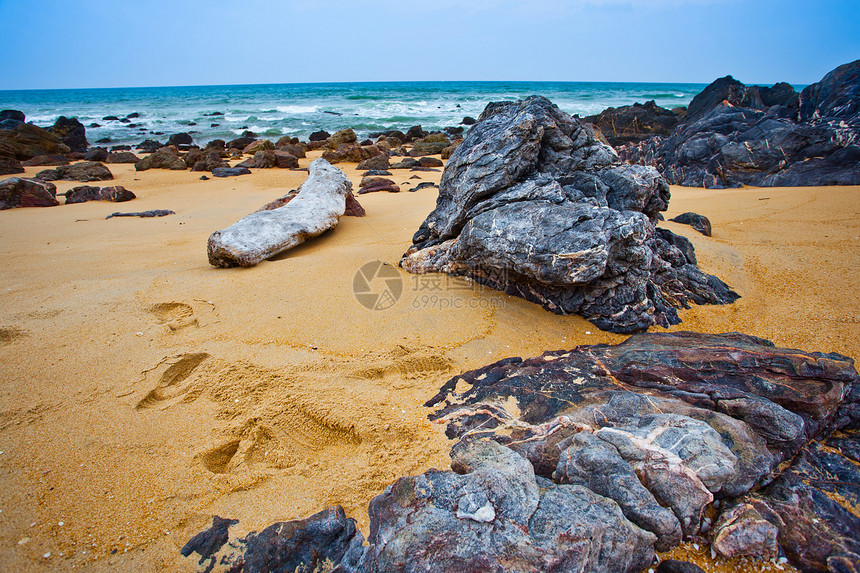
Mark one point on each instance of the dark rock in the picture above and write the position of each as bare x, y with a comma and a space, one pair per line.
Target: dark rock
430, 162
377, 173
448, 151
83, 171
9, 163
319, 136
180, 139
353, 207
744, 135
407, 163
121, 148
413, 133
341, 137
699, 222
122, 157
203, 178
143, 214
96, 154
374, 184
633, 123
166, 157
110, 118
352, 152
285, 160
686, 413
207, 543
133, 115
22, 192
527, 166
213, 114
29, 141
94, 125
149, 146
205, 160
377, 162
217, 144
469, 121
240, 143
430, 145
104, 140
125, 120
13, 114
423, 169
294, 150
424, 185
46, 160
85, 193
258, 145
71, 132
836, 96
675, 566
454, 132
230, 171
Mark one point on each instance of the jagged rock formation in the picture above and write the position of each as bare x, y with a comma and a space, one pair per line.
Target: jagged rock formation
633, 123
589, 459
533, 204
320, 202
737, 135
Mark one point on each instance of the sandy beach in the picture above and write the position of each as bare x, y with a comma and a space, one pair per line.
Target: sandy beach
145, 390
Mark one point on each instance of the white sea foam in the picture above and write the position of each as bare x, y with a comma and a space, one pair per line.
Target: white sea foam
297, 109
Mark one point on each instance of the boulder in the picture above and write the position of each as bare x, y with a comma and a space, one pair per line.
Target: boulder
22, 192
377, 162
29, 141
265, 159
96, 154
9, 163
430, 162
341, 137
430, 145
373, 184
406, 163
85, 193
319, 136
286, 160
738, 135
699, 222
258, 145
208, 160
413, 133
240, 143
13, 114
83, 171
320, 203
46, 160
149, 146
635, 122
352, 152
469, 121
296, 151
122, 157
166, 157
448, 151
673, 421
71, 132
180, 139
533, 204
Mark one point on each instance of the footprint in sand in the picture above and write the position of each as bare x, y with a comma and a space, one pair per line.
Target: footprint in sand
176, 315
172, 380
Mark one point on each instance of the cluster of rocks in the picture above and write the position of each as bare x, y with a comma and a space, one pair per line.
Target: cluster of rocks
734, 135
24, 192
591, 459
532, 203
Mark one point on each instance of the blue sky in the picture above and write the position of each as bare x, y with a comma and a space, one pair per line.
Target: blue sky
98, 43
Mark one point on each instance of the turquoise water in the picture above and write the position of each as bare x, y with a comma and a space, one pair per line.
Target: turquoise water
297, 110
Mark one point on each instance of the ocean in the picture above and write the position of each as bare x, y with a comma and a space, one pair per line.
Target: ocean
297, 110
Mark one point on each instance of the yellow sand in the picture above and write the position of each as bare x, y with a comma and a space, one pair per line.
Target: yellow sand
144, 391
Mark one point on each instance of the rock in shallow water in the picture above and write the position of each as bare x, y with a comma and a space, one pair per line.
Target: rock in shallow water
533, 204
319, 204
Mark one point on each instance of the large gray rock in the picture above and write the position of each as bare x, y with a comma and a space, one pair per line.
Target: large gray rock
768, 137
533, 204
319, 204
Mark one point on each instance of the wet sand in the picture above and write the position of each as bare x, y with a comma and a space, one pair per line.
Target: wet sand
144, 390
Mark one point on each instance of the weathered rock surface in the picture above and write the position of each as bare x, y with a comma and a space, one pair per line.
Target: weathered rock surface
9, 163
230, 171
46, 160
632, 123
746, 135
374, 184
28, 141
83, 171
699, 222
665, 423
317, 207
22, 192
71, 132
377, 162
533, 204
122, 157
166, 157
84, 193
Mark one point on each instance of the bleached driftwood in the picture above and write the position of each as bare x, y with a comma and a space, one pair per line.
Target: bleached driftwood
317, 207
